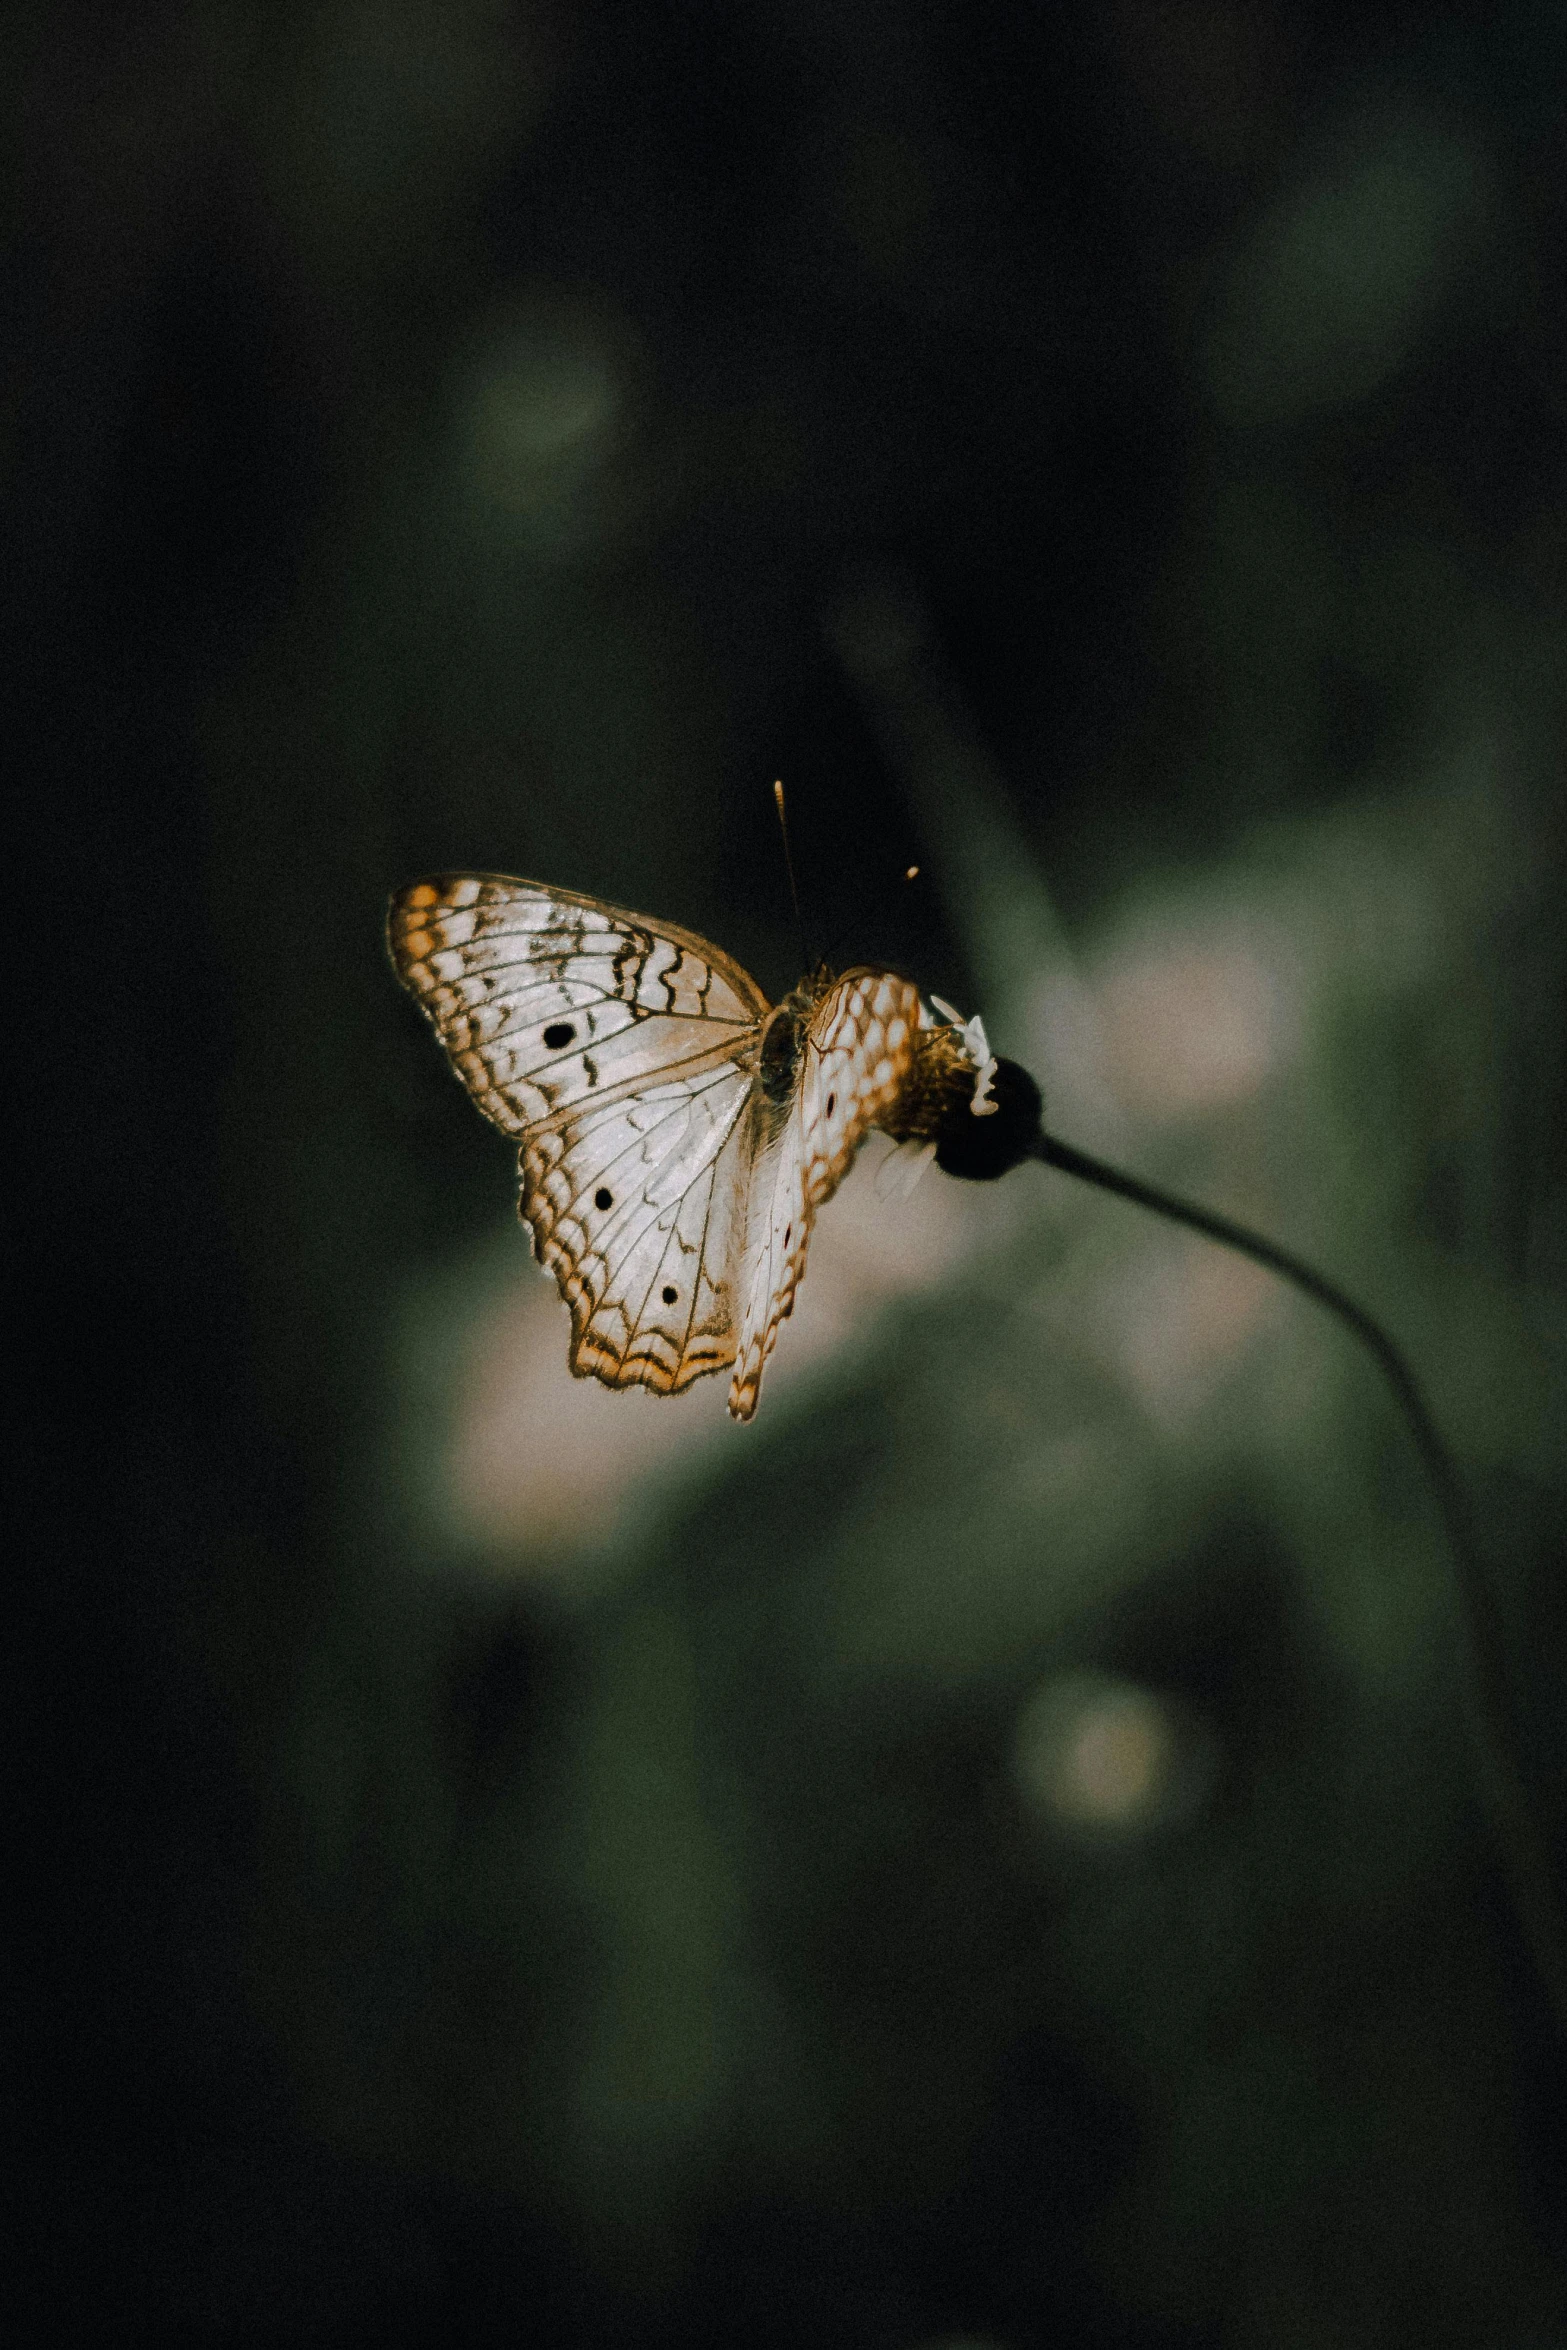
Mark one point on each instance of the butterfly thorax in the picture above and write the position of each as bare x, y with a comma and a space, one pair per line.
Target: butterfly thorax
778, 1054
783, 1036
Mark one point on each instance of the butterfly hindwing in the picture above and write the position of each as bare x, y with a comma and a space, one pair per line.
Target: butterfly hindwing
778, 1230
632, 1206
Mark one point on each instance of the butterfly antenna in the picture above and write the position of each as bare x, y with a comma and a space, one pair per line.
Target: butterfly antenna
794, 887
911, 873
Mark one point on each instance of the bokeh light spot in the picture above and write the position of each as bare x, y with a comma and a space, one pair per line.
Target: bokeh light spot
1104, 1758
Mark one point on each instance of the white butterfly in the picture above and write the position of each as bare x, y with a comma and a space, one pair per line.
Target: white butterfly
678, 1132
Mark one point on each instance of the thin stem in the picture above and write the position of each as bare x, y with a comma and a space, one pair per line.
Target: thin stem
1522, 1846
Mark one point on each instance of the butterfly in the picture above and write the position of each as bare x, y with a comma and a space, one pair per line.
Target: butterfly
677, 1131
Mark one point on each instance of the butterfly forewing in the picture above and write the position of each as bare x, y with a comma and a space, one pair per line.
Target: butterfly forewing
859, 1047
542, 998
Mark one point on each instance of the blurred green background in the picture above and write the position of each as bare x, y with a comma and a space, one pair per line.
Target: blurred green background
987, 1854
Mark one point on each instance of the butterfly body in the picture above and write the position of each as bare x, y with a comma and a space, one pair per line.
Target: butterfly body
677, 1132
778, 1048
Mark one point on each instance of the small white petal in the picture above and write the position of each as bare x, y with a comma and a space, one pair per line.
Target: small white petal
984, 1103
902, 1169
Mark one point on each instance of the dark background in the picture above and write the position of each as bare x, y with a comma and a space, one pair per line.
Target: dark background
1111, 454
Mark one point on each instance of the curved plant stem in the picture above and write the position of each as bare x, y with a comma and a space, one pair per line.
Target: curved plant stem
1521, 1844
